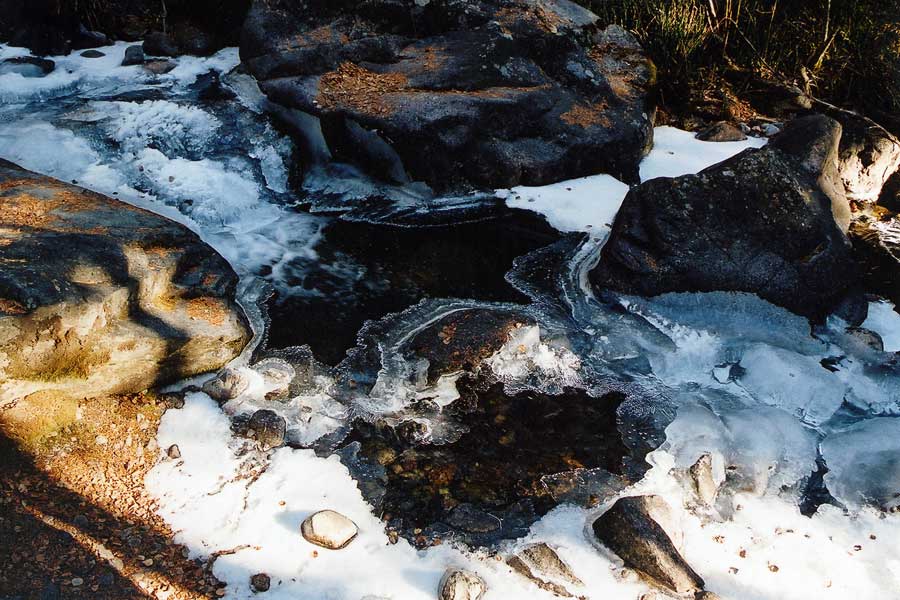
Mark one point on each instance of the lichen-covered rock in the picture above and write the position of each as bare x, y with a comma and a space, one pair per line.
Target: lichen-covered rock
457, 584
328, 529
629, 529
98, 297
488, 93
770, 221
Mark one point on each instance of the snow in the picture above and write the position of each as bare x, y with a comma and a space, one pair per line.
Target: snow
676, 152
884, 320
585, 204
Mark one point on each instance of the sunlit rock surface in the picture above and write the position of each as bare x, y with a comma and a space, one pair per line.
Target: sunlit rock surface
99, 297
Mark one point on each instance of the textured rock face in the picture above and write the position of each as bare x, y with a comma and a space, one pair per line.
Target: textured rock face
457, 584
488, 93
770, 221
868, 157
98, 297
628, 528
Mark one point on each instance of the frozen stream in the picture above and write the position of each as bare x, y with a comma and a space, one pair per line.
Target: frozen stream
772, 400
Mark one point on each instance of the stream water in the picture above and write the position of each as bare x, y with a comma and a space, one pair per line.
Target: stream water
592, 392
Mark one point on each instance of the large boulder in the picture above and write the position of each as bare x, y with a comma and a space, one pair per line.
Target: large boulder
868, 157
771, 221
98, 297
488, 93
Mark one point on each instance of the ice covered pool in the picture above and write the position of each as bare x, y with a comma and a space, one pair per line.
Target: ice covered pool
810, 455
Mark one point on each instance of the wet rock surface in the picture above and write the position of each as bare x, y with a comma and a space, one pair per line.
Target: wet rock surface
485, 94
629, 529
768, 221
542, 565
513, 458
96, 294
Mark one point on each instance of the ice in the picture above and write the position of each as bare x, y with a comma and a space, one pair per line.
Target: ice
586, 204
173, 129
764, 449
526, 355
676, 152
864, 463
884, 320
792, 381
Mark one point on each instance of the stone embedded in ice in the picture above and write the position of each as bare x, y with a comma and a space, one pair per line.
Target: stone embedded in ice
704, 480
226, 385
793, 382
328, 529
864, 463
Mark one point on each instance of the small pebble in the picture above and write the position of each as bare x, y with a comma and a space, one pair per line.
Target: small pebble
77, 581
174, 451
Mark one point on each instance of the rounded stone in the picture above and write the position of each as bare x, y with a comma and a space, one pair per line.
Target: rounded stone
329, 529
457, 584
260, 582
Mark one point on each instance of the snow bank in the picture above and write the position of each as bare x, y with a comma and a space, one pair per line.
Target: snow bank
586, 204
676, 152
884, 320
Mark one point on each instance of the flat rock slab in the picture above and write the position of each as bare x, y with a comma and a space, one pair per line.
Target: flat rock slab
99, 297
486, 94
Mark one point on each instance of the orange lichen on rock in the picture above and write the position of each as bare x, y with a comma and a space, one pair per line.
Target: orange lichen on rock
353, 87
320, 35
25, 203
207, 309
11, 307
586, 116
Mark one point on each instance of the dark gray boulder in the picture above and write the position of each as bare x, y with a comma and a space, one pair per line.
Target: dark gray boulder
489, 93
629, 529
134, 55
770, 221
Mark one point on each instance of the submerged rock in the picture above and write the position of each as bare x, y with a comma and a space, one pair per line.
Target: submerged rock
485, 93
497, 464
329, 529
770, 221
457, 584
98, 297
629, 529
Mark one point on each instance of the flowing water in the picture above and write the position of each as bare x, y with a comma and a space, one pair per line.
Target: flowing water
591, 392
